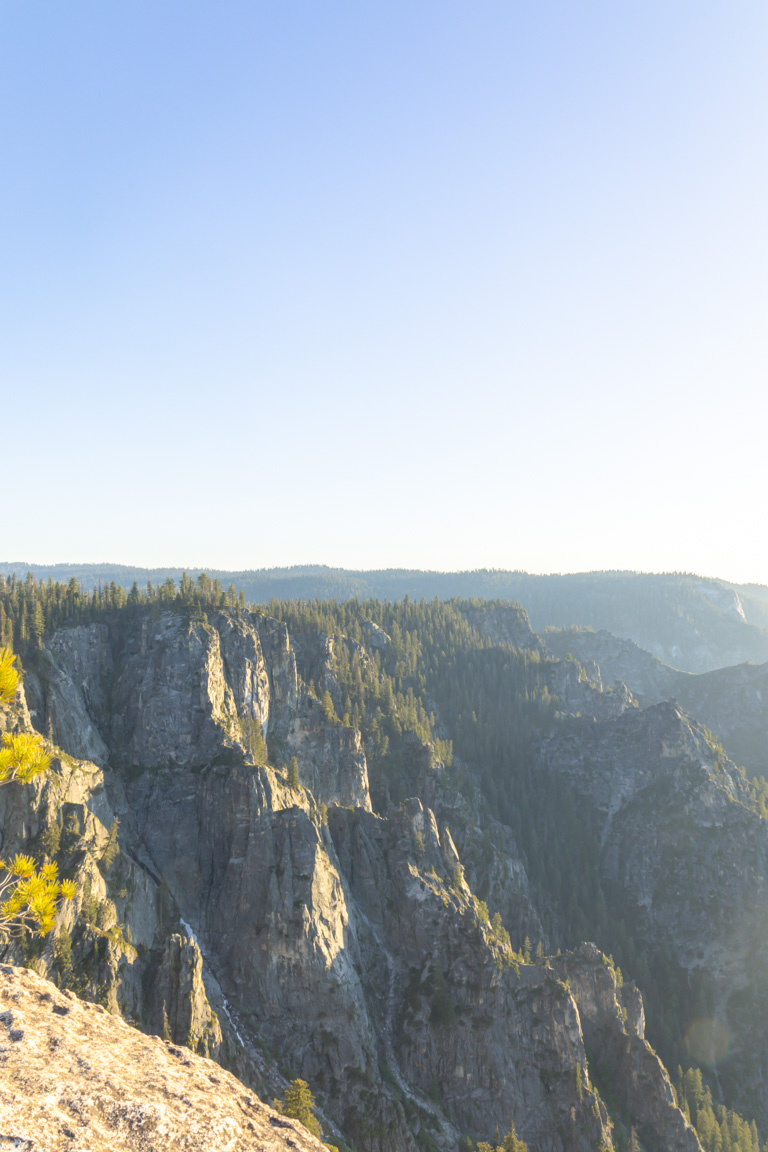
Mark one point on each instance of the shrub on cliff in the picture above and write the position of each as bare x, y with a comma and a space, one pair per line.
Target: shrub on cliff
29, 896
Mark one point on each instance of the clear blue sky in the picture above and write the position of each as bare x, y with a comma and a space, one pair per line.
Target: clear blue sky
407, 283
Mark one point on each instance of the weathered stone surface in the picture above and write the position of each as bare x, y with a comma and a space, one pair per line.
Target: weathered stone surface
504, 624
171, 702
682, 840
732, 701
254, 874
331, 757
180, 999
450, 999
166, 690
611, 1019
73, 1076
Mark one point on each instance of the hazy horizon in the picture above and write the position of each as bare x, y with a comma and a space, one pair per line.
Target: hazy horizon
310, 566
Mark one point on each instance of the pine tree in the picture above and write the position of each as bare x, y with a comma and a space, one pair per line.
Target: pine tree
299, 1104
512, 1143
329, 710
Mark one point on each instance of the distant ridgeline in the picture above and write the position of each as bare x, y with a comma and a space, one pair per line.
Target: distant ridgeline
690, 622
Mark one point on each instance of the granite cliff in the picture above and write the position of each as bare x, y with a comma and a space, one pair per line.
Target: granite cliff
731, 701
284, 928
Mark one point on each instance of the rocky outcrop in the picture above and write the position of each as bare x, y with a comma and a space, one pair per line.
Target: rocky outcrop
72, 1075
451, 994
579, 690
172, 703
682, 841
493, 865
170, 689
287, 930
180, 999
331, 757
732, 701
254, 873
612, 1022
618, 659
504, 624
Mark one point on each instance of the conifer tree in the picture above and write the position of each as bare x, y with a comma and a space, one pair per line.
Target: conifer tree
512, 1143
299, 1104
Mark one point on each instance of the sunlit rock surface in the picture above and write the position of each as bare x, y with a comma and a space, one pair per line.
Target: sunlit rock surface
72, 1076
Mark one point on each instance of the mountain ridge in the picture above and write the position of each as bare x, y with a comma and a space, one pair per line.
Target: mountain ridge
694, 623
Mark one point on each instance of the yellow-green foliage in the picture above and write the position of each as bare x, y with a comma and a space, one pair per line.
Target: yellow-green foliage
29, 896
9, 677
23, 756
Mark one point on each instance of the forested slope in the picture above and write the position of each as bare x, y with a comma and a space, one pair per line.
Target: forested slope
692, 623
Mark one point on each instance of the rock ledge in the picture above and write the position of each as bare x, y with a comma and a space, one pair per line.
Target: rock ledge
73, 1078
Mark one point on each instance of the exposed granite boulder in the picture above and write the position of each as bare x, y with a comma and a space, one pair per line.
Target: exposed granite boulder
376, 636
72, 1075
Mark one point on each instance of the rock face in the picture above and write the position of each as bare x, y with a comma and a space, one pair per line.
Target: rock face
504, 624
169, 690
287, 930
617, 659
732, 701
681, 840
255, 875
451, 995
612, 1021
73, 1076
181, 1001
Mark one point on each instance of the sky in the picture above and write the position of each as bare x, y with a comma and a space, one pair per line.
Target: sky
441, 285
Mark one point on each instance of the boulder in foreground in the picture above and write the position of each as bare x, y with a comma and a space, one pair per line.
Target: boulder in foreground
74, 1077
